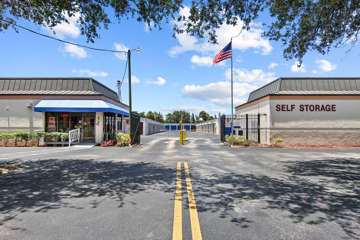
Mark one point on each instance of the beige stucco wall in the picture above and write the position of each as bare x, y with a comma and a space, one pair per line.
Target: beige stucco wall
295, 127
340, 127
20, 116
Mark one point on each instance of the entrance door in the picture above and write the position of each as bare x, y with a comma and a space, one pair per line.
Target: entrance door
88, 127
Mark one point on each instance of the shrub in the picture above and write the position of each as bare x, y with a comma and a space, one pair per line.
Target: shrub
123, 139
237, 140
277, 141
64, 137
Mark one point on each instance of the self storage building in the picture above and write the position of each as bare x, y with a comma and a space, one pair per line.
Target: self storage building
305, 111
61, 104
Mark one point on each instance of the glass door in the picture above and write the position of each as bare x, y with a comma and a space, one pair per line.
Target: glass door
88, 127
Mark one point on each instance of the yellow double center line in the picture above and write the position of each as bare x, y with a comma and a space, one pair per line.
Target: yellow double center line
194, 219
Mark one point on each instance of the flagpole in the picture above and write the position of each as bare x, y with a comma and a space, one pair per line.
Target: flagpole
232, 99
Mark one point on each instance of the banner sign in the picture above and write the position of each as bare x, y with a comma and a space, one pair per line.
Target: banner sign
51, 124
74, 136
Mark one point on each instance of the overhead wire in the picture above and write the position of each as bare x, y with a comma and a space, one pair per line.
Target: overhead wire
61, 40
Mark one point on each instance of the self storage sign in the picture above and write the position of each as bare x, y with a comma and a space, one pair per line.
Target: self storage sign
305, 107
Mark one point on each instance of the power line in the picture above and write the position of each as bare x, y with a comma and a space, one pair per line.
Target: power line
124, 71
63, 41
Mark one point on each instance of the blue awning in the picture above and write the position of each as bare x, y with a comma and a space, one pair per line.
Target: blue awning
79, 106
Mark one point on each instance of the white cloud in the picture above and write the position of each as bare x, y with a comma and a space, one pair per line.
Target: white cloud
273, 65
325, 65
201, 61
120, 47
193, 109
295, 67
251, 76
75, 51
219, 92
90, 73
134, 79
247, 39
160, 81
314, 71
65, 29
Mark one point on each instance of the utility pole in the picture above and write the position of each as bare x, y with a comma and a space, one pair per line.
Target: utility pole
232, 101
130, 104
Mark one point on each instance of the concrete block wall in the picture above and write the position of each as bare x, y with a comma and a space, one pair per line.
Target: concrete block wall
18, 115
341, 137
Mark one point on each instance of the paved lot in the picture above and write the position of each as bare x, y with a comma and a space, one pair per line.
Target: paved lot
129, 193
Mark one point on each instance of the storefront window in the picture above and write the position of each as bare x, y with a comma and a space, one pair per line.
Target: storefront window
64, 122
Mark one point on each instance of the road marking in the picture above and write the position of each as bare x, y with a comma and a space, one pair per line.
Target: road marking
194, 219
177, 227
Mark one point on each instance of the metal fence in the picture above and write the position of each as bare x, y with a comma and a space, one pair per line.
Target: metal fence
135, 128
247, 125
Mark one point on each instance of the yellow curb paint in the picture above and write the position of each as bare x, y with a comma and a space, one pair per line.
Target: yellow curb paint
194, 219
177, 227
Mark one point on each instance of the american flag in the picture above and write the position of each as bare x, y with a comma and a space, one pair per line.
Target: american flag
225, 53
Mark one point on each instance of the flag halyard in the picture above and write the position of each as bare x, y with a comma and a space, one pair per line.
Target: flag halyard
225, 53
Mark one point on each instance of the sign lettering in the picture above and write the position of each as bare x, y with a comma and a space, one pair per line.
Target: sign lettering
306, 107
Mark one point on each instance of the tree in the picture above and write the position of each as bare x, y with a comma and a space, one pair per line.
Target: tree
158, 117
193, 120
150, 115
142, 114
301, 25
204, 116
175, 117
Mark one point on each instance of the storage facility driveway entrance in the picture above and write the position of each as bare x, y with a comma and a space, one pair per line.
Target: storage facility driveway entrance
130, 193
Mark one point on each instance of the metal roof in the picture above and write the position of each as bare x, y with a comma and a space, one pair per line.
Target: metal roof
308, 86
54, 86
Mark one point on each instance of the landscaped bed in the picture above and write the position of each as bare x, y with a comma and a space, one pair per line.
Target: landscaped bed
240, 142
33, 139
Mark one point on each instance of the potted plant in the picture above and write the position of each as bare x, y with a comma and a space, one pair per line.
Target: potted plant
123, 140
10, 140
33, 140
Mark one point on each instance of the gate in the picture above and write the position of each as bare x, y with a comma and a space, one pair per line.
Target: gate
248, 126
222, 128
135, 128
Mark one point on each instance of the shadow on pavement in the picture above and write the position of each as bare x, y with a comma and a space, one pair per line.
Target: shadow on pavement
44, 185
312, 192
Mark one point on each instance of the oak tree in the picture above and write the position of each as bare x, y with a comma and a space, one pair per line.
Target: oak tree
300, 25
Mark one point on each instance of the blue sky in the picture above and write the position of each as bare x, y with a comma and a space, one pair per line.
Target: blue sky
169, 73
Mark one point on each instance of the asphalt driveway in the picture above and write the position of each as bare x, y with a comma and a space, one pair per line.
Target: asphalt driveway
129, 193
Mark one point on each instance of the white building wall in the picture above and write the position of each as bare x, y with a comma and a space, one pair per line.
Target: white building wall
99, 127
151, 127
340, 125
18, 115
211, 126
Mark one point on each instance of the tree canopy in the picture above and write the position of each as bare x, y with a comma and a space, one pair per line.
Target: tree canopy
300, 25
175, 117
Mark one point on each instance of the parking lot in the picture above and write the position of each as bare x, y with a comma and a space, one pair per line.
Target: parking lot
129, 193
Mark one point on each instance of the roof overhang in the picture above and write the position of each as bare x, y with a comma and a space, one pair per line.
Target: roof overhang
79, 106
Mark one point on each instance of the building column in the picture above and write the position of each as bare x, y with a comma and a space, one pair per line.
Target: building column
99, 127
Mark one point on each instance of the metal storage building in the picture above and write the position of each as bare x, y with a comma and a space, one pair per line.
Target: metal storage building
307, 111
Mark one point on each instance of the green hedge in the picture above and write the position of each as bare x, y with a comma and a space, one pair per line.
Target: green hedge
20, 136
